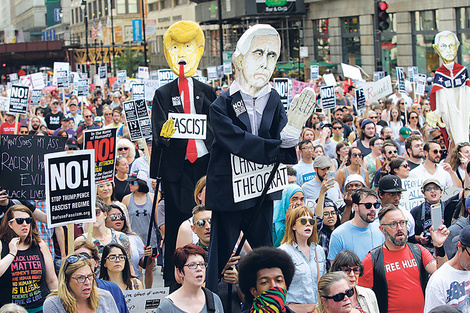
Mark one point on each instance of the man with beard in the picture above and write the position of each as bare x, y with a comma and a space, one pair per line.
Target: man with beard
414, 151
431, 168
386, 133
389, 153
360, 234
396, 271
368, 131
35, 124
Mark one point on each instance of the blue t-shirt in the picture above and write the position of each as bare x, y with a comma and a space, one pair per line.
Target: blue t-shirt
357, 239
114, 289
305, 172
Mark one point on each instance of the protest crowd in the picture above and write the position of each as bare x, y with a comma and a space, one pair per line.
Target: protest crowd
353, 228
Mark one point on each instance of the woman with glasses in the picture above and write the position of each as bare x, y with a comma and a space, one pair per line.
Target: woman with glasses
372, 161
399, 167
116, 267
126, 149
77, 290
26, 265
459, 159
395, 122
108, 115
413, 122
191, 263
355, 167
292, 197
364, 298
327, 221
300, 242
122, 186
335, 294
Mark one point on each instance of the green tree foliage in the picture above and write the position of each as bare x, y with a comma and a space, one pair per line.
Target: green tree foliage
130, 61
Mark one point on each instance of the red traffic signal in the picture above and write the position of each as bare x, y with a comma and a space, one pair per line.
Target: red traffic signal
88, 62
382, 16
4, 64
383, 5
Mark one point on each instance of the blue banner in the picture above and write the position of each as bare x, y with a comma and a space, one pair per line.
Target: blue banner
137, 30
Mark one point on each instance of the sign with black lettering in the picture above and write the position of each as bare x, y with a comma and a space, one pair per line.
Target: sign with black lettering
227, 68
13, 78
165, 76
102, 72
61, 75
138, 91
150, 87
212, 73
138, 120
282, 87
121, 77
379, 75
81, 86
22, 164
314, 72
249, 178
70, 187
401, 80
360, 99
420, 84
153, 75
144, 300
103, 141
19, 99
189, 126
36, 95
327, 97
413, 74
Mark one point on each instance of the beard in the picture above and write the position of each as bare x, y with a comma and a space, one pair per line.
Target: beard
396, 241
35, 127
417, 156
369, 137
365, 217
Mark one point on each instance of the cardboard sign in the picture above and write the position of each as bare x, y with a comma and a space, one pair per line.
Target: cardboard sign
329, 79
314, 72
19, 99
360, 99
145, 300
153, 75
351, 71
401, 80
202, 79
138, 91
249, 178
379, 89
36, 95
165, 76
227, 68
282, 87
61, 75
103, 141
25, 81
70, 186
121, 77
327, 97
143, 72
421, 84
413, 74
212, 73
81, 87
150, 87
220, 72
189, 126
138, 120
102, 72
22, 166
4, 103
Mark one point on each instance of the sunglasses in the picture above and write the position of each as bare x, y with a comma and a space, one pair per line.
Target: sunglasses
405, 165
355, 269
74, 259
132, 183
109, 114
392, 152
123, 148
355, 155
435, 151
340, 296
304, 221
413, 118
202, 223
435, 188
21, 220
87, 116
369, 205
115, 217
437, 137
338, 127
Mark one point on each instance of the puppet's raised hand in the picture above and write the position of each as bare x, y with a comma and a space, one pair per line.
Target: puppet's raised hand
432, 119
299, 111
168, 129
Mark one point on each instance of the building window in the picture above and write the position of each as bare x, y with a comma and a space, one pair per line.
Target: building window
424, 25
321, 40
463, 32
100, 8
96, 14
351, 40
153, 6
389, 47
127, 6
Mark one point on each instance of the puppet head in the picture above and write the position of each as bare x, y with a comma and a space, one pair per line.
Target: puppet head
255, 57
184, 41
446, 45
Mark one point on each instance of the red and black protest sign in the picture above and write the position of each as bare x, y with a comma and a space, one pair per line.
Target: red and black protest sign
103, 141
70, 186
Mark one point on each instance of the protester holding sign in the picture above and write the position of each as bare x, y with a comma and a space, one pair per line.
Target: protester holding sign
26, 266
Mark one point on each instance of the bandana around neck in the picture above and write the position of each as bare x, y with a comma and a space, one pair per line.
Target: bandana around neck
272, 300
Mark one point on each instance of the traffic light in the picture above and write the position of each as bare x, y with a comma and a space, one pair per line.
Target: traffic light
88, 62
382, 16
4, 64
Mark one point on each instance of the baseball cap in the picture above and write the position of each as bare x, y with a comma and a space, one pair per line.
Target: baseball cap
329, 203
405, 132
365, 122
430, 181
99, 119
322, 161
463, 237
140, 175
65, 118
323, 125
353, 178
72, 103
72, 143
390, 183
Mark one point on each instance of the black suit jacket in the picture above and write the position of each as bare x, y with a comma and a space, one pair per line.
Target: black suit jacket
172, 163
232, 135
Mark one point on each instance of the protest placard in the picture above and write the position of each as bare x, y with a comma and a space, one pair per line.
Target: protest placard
329, 79
227, 68
143, 72
420, 84
102, 72
379, 89
22, 165
153, 75
297, 87
144, 300
351, 71
121, 77
36, 95
220, 71
70, 187
165, 76
202, 79
103, 141
81, 87
413, 74
379, 75
19, 99
360, 99
4, 103
212, 73
25, 81
314, 72
327, 97
150, 87
401, 80
282, 87
13, 78
138, 91
189, 126
249, 178
137, 119
37, 80
61, 75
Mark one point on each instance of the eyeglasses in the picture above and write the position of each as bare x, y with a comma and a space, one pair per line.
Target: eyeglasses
405, 165
202, 223
114, 217
392, 152
378, 144
307, 148
87, 116
132, 183
21, 220
435, 151
114, 258
466, 251
369, 205
327, 214
437, 137
355, 269
193, 266
394, 225
82, 279
98, 212
413, 118
373, 116
340, 296
337, 127
304, 221
74, 259
356, 155
123, 148
435, 188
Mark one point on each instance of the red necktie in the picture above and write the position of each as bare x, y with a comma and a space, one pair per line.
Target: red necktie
191, 151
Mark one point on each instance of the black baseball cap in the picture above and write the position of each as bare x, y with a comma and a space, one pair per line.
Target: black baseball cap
390, 183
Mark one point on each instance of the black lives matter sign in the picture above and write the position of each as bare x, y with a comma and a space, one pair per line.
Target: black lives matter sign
19, 99
70, 186
138, 120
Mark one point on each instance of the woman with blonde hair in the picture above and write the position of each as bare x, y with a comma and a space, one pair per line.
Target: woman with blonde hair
300, 242
335, 294
77, 291
127, 149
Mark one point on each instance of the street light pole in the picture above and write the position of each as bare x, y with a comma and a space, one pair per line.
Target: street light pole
86, 35
145, 36
112, 37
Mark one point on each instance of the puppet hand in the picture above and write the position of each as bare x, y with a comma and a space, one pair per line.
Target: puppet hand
432, 119
300, 110
168, 129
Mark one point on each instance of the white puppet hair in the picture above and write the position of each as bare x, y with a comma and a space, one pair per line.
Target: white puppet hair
445, 33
